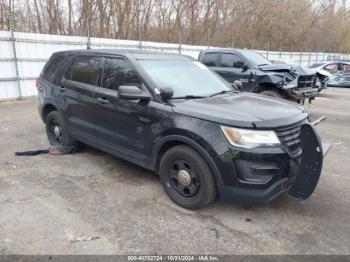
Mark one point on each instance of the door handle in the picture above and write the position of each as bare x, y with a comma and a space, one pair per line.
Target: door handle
102, 100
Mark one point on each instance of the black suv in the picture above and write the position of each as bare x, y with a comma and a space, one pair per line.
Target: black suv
170, 114
259, 75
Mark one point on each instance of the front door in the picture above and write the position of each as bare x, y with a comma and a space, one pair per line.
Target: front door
231, 68
122, 126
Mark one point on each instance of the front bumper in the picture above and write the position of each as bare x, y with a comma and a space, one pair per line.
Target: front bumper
260, 175
242, 195
304, 93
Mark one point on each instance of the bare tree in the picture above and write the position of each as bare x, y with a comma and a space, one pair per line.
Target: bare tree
304, 25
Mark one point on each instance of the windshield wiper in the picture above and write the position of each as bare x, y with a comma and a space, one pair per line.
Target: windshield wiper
189, 97
221, 92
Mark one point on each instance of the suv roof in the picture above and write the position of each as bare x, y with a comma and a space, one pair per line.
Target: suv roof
211, 50
135, 53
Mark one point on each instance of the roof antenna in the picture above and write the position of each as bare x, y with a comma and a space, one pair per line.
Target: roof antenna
88, 44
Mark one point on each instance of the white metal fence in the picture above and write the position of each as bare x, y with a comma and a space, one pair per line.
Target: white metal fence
23, 55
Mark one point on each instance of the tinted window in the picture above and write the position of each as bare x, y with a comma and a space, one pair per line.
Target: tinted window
209, 59
118, 72
228, 60
85, 70
53, 68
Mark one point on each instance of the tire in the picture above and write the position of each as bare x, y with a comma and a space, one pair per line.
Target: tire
271, 93
58, 136
187, 178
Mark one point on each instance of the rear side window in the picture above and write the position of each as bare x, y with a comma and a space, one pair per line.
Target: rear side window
53, 68
230, 60
209, 59
118, 72
85, 70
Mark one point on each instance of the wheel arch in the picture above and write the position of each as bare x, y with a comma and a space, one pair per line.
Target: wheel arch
49, 107
169, 141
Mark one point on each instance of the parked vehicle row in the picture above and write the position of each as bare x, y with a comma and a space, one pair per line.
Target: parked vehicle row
173, 115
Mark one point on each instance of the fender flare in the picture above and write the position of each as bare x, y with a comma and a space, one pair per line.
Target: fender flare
187, 141
54, 104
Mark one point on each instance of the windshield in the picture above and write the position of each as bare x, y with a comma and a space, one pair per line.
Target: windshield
186, 78
255, 58
317, 65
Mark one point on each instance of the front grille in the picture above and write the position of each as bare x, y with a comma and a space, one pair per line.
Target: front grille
306, 81
290, 138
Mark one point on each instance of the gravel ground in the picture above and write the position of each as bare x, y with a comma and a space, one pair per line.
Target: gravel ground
94, 203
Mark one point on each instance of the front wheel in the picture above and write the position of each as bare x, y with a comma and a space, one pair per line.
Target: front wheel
186, 177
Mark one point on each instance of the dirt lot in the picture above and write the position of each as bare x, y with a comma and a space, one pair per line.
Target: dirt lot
50, 203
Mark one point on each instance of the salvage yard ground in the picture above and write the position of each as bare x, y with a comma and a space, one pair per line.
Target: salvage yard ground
94, 203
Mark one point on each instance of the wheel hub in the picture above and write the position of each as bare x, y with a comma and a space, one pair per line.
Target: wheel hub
184, 177
57, 131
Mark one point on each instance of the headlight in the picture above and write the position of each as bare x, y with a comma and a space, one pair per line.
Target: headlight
250, 139
292, 84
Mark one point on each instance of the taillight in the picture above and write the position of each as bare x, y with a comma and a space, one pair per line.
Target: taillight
37, 82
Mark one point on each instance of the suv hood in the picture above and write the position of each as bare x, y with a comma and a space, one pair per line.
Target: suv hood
299, 69
276, 67
243, 110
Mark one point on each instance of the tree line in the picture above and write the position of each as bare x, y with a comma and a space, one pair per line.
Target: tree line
286, 25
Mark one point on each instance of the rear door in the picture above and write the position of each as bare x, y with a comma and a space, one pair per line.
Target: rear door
78, 86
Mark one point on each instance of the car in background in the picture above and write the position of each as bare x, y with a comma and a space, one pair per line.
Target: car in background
340, 81
172, 115
340, 71
333, 67
258, 75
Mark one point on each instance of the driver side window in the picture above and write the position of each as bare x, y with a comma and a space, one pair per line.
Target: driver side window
231, 60
118, 72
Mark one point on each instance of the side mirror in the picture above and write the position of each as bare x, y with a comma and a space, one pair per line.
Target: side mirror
237, 84
244, 67
240, 64
133, 93
166, 93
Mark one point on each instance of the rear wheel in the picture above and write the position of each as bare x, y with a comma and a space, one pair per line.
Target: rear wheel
187, 178
56, 130
272, 93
